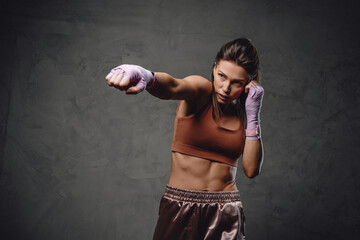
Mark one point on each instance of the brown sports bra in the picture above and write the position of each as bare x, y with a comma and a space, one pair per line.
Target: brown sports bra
200, 136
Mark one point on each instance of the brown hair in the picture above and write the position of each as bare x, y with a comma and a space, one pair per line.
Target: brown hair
242, 52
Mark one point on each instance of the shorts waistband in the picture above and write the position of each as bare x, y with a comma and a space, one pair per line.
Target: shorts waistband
201, 196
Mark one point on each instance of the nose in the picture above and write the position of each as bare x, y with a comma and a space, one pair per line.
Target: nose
226, 87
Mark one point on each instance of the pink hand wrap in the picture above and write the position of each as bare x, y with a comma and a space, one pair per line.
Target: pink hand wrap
252, 107
139, 76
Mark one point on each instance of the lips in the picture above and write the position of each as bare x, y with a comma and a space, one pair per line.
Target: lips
222, 97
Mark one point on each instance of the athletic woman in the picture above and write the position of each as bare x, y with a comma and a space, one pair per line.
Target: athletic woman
216, 122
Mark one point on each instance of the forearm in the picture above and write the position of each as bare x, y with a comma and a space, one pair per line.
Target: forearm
164, 87
168, 87
252, 157
253, 152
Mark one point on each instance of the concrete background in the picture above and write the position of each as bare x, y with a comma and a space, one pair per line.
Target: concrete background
81, 160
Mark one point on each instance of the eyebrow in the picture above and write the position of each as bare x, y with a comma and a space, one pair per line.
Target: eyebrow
241, 80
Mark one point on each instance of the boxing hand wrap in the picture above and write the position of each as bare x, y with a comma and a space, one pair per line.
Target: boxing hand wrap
252, 106
139, 76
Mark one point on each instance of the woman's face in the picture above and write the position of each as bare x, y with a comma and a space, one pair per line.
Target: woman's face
229, 81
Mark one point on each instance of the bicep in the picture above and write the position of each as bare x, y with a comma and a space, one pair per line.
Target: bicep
191, 87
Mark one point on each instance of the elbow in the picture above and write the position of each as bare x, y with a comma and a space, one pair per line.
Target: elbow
252, 174
252, 169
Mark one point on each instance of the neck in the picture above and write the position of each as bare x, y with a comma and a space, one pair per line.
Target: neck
228, 109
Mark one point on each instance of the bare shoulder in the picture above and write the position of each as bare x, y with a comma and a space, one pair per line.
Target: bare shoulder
204, 88
200, 83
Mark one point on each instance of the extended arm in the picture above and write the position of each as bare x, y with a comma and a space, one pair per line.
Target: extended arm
133, 79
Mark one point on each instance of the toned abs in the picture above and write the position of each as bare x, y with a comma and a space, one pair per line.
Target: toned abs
195, 173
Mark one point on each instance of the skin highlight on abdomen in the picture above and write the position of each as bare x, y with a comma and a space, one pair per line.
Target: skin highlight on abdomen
193, 173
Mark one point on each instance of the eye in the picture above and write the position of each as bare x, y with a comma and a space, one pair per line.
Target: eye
221, 75
238, 83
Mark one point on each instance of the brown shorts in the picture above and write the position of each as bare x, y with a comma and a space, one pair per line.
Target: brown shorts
199, 215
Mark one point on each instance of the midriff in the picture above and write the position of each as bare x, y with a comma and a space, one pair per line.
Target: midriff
194, 173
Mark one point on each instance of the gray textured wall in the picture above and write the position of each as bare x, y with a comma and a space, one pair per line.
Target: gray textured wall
81, 160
